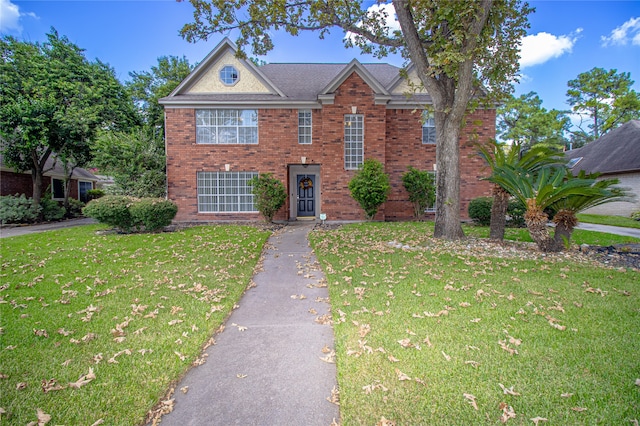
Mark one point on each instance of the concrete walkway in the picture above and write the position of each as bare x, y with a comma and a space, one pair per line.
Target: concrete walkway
627, 232
266, 367
14, 231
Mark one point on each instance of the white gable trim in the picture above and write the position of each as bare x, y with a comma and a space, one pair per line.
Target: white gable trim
353, 66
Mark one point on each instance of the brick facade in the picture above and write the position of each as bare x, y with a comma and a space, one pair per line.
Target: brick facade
21, 183
392, 136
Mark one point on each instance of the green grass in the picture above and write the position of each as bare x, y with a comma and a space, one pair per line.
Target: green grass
463, 309
155, 299
626, 222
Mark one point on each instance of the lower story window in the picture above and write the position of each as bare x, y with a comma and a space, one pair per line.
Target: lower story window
83, 189
57, 189
225, 192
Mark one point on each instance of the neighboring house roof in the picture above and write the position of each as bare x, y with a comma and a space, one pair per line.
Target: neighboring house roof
618, 151
54, 169
286, 84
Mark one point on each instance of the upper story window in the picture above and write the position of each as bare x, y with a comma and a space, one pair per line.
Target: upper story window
353, 141
226, 126
572, 163
229, 75
428, 128
304, 126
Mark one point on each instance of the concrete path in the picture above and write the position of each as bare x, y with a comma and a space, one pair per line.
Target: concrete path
13, 231
266, 367
628, 232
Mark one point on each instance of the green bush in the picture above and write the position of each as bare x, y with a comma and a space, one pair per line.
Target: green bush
635, 215
516, 211
480, 210
51, 209
112, 210
152, 213
131, 214
370, 187
94, 194
75, 208
421, 188
17, 209
270, 195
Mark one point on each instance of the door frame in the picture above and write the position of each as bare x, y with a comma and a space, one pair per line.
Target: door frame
303, 169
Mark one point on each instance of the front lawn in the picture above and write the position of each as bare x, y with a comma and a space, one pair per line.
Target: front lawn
626, 222
95, 328
438, 333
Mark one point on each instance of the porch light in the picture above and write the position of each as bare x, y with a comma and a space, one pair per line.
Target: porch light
435, 168
303, 160
227, 167
354, 110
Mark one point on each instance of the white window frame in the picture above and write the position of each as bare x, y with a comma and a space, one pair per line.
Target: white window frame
80, 182
305, 127
229, 71
428, 128
227, 126
225, 192
353, 141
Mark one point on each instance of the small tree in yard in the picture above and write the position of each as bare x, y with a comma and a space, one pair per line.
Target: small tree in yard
270, 195
421, 187
370, 187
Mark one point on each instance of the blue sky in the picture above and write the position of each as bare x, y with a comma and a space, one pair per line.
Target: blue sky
565, 38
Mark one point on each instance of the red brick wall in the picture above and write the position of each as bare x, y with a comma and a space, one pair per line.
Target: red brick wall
21, 183
391, 136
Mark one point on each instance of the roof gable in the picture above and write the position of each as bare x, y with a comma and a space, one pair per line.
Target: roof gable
616, 152
204, 79
358, 68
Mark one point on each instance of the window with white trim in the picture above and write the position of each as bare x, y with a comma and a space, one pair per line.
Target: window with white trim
83, 188
353, 141
225, 192
304, 126
229, 75
428, 127
227, 126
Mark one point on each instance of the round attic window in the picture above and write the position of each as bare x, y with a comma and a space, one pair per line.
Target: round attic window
229, 75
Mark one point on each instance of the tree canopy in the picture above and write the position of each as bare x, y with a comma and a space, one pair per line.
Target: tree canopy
455, 47
55, 100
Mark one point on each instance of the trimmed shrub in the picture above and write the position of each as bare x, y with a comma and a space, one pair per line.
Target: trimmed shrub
75, 208
635, 215
112, 210
370, 187
18, 209
480, 210
515, 212
421, 187
270, 195
51, 209
152, 213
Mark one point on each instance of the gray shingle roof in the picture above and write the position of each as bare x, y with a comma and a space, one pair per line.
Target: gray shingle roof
616, 152
55, 169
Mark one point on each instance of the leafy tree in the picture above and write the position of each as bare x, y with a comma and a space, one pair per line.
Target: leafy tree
370, 187
421, 188
606, 98
135, 159
54, 100
499, 157
455, 47
270, 195
523, 120
146, 87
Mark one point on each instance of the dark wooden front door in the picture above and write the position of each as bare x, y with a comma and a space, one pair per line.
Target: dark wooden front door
306, 195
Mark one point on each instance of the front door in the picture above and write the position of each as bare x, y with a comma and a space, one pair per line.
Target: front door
306, 195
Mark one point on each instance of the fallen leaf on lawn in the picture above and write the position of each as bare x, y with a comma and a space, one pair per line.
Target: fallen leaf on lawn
566, 395
97, 358
447, 357
385, 422
241, 376
50, 385
405, 343
313, 311
21, 385
4, 376
475, 320
182, 357
637, 382
66, 363
175, 321
335, 396
112, 360
579, 409
83, 380
145, 351
471, 399
41, 332
98, 422
537, 420
64, 332
364, 330
120, 339
427, 341
507, 412
465, 304
326, 349
402, 376
393, 358
503, 344
176, 309
43, 418
184, 389
330, 358
557, 326
323, 319
474, 364
508, 391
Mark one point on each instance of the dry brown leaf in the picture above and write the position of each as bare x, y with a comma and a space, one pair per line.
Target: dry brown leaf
637, 382
385, 422
507, 412
330, 358
21, 385
83, 380
67, 362
471, 399
43, 418
474, 364
537, 420
447, 357
393, 358
402, 376
405, 343
364, 330
50, 385
335, 396
241, 376
41, 332
579, 409
184, 389
508, 391
98, 422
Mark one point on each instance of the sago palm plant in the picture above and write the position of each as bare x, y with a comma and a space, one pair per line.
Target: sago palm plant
497, 156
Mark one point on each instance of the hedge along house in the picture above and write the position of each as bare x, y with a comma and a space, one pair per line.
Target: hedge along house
311, 126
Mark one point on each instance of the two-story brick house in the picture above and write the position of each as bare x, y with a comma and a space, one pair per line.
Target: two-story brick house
311, 126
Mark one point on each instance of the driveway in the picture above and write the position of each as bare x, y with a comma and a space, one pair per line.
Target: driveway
13, 231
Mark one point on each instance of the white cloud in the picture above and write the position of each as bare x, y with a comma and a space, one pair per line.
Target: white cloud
391, 20
10, 17
539, 48
629, 31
